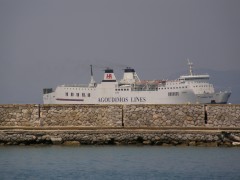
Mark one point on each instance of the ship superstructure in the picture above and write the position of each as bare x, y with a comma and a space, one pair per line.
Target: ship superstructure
130, 89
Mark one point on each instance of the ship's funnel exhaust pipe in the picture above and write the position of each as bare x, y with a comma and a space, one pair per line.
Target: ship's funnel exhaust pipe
109, 76
92, 82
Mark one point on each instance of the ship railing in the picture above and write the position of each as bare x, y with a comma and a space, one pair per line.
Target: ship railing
75, 85
151, 82
220, 89
144, 88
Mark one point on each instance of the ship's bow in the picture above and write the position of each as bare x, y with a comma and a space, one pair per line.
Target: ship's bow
222, 97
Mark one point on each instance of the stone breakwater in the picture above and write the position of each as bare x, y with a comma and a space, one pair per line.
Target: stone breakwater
223, 115
19, 115
120, 137
163, 115
71, 115
189, 125
218, 116
61, 115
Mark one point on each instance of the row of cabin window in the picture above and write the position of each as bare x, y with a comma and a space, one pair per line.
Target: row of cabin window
174, 87
77, 94
121, 89
79, 89
203, 86
173, 94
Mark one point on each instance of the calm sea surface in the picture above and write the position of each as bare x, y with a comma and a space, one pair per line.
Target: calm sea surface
118, 162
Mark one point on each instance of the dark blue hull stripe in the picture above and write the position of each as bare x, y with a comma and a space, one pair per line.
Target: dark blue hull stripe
60, 99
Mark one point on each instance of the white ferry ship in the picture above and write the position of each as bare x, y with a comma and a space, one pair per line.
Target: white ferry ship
190, 89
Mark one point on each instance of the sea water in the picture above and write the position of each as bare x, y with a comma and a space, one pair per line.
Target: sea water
118, 162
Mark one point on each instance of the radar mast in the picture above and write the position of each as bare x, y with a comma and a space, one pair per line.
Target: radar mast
190, 64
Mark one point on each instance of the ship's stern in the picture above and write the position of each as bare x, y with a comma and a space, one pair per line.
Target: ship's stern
48, 96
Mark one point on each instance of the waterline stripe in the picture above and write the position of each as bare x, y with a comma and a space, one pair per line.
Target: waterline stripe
61, 99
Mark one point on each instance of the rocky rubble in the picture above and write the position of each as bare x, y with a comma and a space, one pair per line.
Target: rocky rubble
120, 137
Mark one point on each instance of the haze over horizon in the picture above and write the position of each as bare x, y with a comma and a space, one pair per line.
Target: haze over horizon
52, 42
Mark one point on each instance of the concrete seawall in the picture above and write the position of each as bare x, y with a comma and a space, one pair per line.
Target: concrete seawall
214, 125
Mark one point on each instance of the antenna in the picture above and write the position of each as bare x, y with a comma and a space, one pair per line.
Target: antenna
190, 64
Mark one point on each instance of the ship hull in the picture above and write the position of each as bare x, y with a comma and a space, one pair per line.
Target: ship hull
214, 98
109, 96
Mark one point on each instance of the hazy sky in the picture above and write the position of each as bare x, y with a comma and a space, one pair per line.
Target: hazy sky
45, 43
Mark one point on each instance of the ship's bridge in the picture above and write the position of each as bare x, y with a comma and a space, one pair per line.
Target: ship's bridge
198, 83
194, 78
